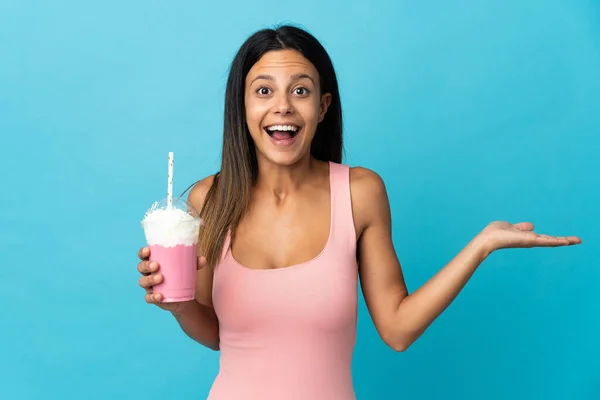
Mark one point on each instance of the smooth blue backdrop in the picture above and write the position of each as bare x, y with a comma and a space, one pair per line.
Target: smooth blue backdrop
471, 111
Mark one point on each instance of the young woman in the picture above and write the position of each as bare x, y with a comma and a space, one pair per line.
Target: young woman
288, 231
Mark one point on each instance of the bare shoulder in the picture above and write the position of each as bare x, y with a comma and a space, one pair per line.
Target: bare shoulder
197, 195
367, 187
369, 197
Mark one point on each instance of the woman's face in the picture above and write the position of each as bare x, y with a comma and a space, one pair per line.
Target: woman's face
284, 106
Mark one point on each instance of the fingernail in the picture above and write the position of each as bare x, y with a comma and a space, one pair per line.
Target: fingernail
157, 278
152, 266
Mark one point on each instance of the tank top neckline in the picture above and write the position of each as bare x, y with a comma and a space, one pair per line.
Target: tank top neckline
332, 188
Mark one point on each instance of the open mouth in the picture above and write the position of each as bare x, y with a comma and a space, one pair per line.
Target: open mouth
282, 133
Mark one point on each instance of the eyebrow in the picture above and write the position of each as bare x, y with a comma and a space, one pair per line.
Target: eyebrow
295, 77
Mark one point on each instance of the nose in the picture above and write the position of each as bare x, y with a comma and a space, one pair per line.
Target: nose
284, 106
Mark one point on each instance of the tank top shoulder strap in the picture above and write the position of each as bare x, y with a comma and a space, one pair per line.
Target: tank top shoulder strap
341, 203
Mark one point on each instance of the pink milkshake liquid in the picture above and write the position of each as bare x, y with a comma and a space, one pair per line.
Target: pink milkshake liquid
172, 236
179, 278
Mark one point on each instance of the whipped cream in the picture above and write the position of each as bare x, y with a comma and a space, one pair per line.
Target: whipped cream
170, 227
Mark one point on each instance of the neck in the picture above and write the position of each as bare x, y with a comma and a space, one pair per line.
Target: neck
281, 180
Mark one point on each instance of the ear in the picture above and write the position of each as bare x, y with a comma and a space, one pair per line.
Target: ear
324, 106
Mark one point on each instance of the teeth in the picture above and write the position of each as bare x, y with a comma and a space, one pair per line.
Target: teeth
282, 128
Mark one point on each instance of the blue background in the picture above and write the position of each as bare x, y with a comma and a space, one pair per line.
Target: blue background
471, 111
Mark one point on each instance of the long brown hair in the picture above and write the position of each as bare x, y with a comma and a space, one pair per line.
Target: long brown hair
229, 196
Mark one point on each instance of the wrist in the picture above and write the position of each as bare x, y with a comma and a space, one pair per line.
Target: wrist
484, 245
183, 308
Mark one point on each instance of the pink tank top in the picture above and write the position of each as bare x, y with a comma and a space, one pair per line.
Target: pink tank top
289, 333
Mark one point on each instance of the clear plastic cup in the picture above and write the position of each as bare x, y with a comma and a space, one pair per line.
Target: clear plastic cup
172, 236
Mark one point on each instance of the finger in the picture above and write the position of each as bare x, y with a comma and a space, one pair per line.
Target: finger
565, 239
150, 280
143, 282
148, 267
574, 239
551, 241
524, 226
153, 298
144, 253
201, 262
541, 235
150, 298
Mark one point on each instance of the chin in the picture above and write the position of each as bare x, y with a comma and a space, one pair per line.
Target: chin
284, 159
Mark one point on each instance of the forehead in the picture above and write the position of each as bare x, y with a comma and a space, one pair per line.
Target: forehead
282, 64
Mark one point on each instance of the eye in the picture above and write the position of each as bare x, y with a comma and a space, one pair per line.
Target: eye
263, 91
301, 91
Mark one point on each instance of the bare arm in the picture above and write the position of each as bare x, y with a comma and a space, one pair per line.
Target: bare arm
199, 322
401, 318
